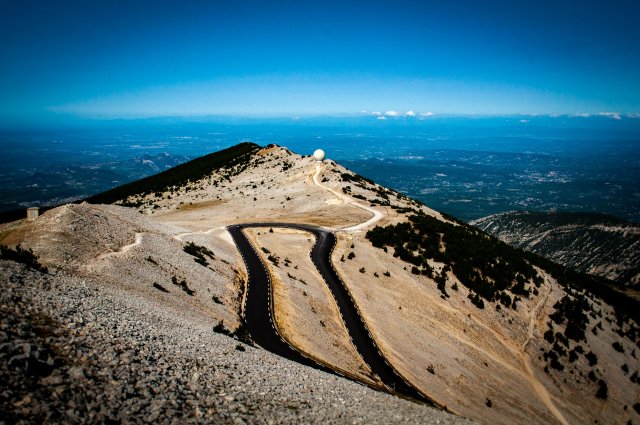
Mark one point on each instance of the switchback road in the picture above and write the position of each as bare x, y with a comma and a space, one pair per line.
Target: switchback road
258, 308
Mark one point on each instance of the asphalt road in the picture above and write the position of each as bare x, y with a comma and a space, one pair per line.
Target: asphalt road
258, 309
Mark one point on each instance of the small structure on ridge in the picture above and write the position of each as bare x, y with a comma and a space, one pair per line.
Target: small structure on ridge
33, 213
318, 155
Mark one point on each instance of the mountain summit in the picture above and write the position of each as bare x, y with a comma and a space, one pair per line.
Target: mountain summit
143, 310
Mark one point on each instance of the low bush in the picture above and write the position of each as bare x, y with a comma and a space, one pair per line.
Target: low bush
199, 253
23, 256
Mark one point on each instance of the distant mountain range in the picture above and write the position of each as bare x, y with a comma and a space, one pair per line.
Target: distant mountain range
598, 244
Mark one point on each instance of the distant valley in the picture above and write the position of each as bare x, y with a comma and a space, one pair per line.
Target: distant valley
63, 182
598, 244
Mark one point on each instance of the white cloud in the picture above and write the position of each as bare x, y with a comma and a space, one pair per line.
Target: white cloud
410, 114
614, 115
524, 121
426, 114
382, 117
375, 113
391, 113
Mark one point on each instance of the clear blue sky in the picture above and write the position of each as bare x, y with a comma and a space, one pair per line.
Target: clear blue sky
149, 58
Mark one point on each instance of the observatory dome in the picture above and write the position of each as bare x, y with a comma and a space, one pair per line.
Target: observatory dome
318, 155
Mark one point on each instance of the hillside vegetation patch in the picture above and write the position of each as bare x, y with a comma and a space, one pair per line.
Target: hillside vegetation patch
490, 269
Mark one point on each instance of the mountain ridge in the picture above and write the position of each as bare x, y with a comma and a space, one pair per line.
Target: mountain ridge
598, 244
531, 360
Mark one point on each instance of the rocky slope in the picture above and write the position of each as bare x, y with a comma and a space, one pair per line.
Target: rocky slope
554, 353
590, 243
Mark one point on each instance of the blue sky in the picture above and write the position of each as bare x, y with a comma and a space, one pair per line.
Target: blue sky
110, 59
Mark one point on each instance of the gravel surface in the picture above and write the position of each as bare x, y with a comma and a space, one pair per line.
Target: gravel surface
77, 351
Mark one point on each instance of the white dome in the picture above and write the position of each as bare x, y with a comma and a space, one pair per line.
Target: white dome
318, 155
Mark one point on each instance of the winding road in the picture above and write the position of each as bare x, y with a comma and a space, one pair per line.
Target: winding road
258, 308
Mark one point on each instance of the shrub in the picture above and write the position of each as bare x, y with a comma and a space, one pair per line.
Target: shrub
603, 391
24, 256
219, 328
199, 253
548, 336
159, 287
481, 263
182, 285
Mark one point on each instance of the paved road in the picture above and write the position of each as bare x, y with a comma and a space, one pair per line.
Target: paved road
258, 306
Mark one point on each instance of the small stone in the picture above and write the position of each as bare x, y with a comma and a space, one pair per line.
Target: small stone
76, 372
51, 380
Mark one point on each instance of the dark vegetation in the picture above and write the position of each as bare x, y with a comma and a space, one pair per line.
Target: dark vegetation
275, 260
24, 256
624, 305
159, 287
241, 334
367, 184
490, 269
219, 328
200, 253
182, 284
234, 159
603, 391
236, 156
497, 273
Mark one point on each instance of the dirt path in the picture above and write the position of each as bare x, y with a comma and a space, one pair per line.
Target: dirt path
377, 215
222, 234
538, 387
124, 249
